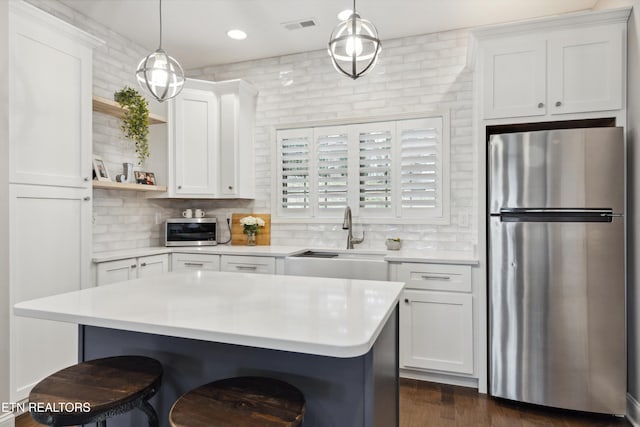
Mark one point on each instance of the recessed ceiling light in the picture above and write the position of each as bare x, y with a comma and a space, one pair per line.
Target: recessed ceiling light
345, 14
237, 34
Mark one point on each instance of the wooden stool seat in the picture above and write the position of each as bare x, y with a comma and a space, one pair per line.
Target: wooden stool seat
240, 402
96, 390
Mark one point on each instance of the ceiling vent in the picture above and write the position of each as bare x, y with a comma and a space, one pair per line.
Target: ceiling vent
302, 23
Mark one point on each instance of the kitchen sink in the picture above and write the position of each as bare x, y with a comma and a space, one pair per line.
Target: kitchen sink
346, 265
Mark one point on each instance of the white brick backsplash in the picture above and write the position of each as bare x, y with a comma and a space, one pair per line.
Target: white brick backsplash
414, 74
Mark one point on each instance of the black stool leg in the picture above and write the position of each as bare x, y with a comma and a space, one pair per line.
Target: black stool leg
102, 423
150, 412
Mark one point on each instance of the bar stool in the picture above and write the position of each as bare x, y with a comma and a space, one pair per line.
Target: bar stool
240, 402
93, 391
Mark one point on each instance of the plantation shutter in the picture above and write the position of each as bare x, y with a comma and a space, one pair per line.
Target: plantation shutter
332, 162
294, 157
375, 168
421, 166
393, 170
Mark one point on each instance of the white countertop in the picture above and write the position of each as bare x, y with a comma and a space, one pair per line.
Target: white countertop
327, 317
412, 255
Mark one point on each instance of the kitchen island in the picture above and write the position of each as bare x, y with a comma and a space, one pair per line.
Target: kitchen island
334, 339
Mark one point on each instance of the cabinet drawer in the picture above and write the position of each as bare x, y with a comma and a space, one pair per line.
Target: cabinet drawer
436, 277
248, 264
185, 262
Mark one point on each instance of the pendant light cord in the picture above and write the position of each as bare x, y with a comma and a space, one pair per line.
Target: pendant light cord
160, 3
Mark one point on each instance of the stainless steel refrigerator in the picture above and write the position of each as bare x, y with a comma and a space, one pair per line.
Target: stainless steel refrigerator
557, 268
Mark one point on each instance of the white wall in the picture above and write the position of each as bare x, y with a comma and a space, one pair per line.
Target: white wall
633, 202
414, 74
4, 204
633, 219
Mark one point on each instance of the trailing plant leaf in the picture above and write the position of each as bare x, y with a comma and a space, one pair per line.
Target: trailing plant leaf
135, 123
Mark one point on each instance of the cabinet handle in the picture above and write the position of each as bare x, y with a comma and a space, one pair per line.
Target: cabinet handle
231, 187
247, 267
436, 277
134, 266
540, 104
193, 264
406, 300
86, 198
179, 187
144, 264
558, 103
86, 179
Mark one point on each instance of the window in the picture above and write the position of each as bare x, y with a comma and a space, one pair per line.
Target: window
422, 167
332, 154
375, 169
295, 185
386, 171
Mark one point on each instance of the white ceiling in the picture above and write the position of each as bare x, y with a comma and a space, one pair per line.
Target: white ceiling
194, 31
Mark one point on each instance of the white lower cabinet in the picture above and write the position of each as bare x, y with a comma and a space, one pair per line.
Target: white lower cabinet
131, 268
248, 264
436, 331
186, 262
436, 318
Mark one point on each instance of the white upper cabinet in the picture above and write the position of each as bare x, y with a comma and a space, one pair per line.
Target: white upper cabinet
237, 122
195, 143
553, 66
211, 132
50, 100
586, 70
514, 78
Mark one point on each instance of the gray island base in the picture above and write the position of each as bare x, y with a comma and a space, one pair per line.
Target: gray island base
339, 392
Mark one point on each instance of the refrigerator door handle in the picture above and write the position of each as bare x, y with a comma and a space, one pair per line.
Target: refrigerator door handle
556, 215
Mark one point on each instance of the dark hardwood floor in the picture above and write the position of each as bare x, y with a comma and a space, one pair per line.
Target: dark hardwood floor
424, 404
440, 405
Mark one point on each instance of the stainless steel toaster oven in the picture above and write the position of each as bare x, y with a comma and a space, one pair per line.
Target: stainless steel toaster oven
190, 232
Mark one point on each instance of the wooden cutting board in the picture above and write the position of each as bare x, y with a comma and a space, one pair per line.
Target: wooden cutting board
239, 238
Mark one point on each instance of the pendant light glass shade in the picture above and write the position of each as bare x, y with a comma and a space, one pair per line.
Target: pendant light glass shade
354, 46
159, 73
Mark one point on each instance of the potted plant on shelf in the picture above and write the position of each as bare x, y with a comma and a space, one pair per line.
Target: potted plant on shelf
135, 120
250, 226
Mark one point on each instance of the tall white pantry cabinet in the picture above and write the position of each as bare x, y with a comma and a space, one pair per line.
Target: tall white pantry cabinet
50, 176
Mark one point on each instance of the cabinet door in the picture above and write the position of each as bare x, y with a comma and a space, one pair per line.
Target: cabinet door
195, 143
185, 262
153, 265
237, 156
585, 70
248, 264
514, 73
50, 240
50, 104
116, 271
436, 331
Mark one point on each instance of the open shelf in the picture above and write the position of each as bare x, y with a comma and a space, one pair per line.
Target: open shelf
110, 185
112, 108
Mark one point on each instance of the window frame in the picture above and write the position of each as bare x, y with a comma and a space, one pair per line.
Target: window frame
396, 215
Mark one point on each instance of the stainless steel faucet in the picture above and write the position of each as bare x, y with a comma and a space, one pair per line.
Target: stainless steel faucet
347, 225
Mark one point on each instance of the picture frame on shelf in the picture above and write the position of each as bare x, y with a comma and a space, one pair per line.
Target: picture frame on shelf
144, 178
100, 169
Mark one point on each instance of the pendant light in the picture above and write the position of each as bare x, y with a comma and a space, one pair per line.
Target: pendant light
354, 45
159, 73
